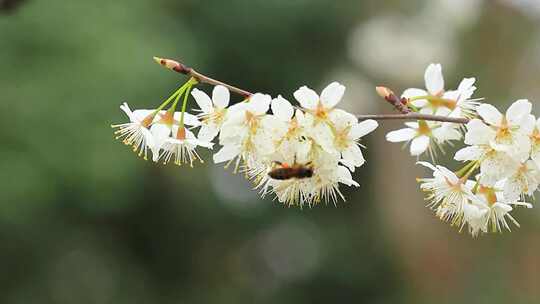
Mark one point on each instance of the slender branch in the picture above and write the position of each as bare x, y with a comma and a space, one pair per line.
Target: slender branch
184, 69
413, 116
400, 104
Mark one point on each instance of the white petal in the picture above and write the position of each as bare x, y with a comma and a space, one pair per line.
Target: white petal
332, 94
427, 165
363, 128
353, 155
160, 132
207, 133
518, 111
226, 153
535, 156
469, 153
413, 92
324, 136
419, 145
401, 135
342, 119
125, 107
412, 124
189, 119
307, 98
204, 102
259, 103
139, 115
490, 114
478, 133
221, 96
345, 177
466, 84
434, 79
282, 108
449, 175
496, 167
446, 133
512, 189
527, 124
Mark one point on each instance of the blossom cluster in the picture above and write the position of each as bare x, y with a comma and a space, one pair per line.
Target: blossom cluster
301, 154
501, 157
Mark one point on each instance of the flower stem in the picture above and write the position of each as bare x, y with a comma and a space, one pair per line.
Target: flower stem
192, 81
176, 93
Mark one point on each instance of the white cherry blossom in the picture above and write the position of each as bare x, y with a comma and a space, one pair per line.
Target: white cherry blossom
213, 112
424, 136
135, 133
244, 135
162, 128
523, 181
347, 133
510, 130
181, 147
447, 193
434, 82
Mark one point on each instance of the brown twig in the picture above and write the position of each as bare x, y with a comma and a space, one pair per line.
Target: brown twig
413, 116
399, 104
184, 69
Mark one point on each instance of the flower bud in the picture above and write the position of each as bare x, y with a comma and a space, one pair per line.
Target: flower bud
384, 92
168, 63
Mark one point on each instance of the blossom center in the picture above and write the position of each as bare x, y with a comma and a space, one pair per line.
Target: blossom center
167, 118
147, 121
489, 194
342, 138
252, 121
215, 117
321, 112
293, 128
423, 128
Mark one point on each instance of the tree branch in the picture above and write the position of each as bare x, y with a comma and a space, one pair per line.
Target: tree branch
400, 104
184, 69
413, 116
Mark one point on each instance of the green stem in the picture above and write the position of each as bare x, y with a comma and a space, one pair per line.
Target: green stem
184, 106
412, 107
471, 170
176, 93
173, 107
465, 169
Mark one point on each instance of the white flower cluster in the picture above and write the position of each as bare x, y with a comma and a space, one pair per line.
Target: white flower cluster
426, 135
300, 154
502, 155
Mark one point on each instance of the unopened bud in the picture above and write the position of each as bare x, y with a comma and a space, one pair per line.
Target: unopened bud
168, 63
384, 92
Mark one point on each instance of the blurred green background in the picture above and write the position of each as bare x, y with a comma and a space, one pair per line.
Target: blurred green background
83, 220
